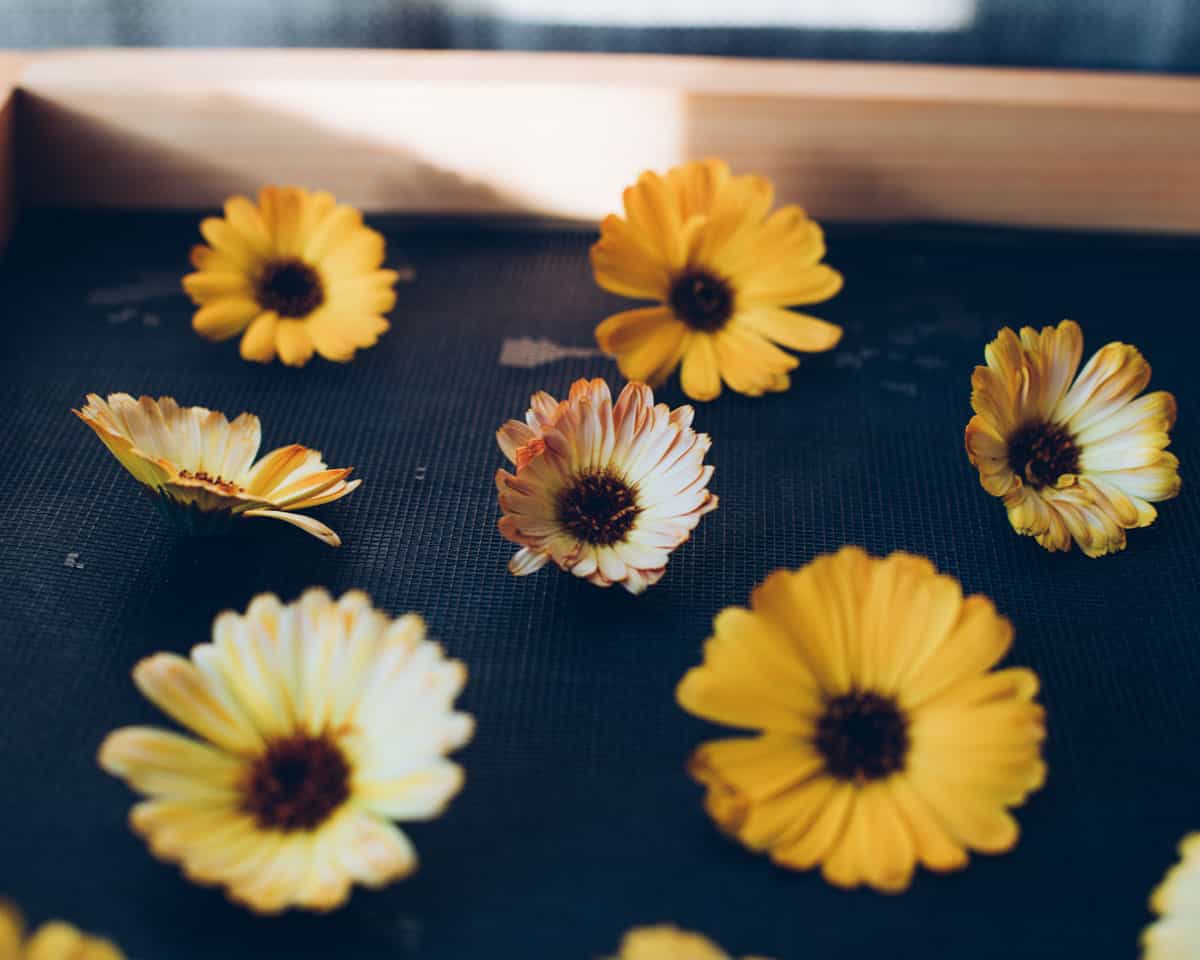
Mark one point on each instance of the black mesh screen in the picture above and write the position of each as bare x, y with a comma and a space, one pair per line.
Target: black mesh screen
577, 820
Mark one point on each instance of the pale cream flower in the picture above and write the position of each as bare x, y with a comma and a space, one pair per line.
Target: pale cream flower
200, 468
1176, 934
319, 723
606, 492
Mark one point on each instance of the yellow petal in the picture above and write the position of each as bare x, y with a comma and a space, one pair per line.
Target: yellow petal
246, 219
225, 318
294, 344
12, 931
258, 342
161, 763
625, 331
176, 687
700, 377
307, 524
207, 286
788, 287
229, 243
796, 331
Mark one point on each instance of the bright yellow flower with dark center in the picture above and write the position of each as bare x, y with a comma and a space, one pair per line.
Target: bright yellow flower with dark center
51, 941
1176, 934
886, 739
723, 268
297, 272
1078, 460
319, 723
200, 468
665, 942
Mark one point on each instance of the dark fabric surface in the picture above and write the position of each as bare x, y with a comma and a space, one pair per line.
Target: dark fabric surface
577, 820
1159, 35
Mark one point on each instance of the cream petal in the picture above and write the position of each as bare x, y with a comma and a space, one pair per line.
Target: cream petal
161, 763
419, 795
194, 700
373, 851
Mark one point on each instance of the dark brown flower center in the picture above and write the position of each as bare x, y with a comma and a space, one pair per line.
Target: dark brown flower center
289, 287
862, 736
228, 485
297, 783
1040, 453
598, 508
702, 301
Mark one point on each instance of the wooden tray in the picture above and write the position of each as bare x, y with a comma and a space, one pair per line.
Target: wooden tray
559, 134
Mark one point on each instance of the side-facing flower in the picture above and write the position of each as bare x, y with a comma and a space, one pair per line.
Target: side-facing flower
665, 942
297, 272
318, 723
886, 739
1176, 934
200, 468
605, 491
1078, 460
51, 941
723, 268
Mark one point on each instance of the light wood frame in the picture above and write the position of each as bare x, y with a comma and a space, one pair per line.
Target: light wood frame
559, 135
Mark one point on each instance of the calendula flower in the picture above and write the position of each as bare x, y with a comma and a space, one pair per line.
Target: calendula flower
1176, 934
51, 941
200, 468
669, 943
885, 739
704, 245
319, 723
1078, 460
606, 492
297, 272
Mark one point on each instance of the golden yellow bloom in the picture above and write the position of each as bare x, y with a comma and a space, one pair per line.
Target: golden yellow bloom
723, 269
320, 722
885, 741
51, 941
1176, 934
668, 943
297, 272
1079, 460
201, 470
606, 492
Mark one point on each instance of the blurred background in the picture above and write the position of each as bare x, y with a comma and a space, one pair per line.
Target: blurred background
1143, 35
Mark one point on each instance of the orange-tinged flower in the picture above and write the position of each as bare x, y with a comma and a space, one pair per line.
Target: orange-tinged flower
723, 268
200, 468
1072, 458
604, 491
293, 274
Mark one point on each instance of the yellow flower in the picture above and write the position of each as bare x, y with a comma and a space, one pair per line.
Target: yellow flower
668, 943
201, 469
51, 941
1078, 460
723, 269
885, 741
297, 272
606, 492
1176, 935
320, 722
